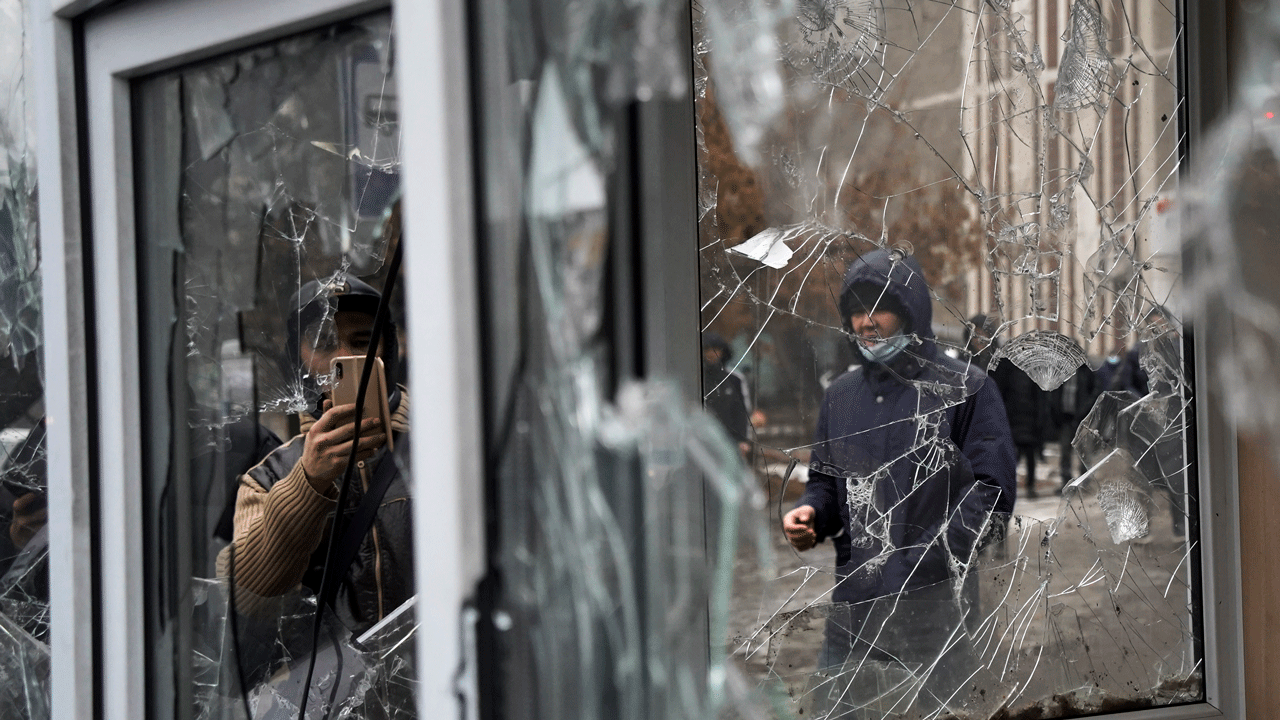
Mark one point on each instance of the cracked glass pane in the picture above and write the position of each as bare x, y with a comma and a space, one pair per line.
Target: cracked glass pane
24, 541
615, 503
268, 195
942, 310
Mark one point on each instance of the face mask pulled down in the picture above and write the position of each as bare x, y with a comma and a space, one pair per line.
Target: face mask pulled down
885, 350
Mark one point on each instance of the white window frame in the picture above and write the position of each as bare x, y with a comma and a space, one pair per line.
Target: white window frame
133, 39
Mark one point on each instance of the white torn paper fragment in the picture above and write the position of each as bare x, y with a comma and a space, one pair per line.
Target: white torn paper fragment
767, 247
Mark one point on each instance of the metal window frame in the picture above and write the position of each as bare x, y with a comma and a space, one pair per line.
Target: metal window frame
1204, 71
96, 672
66, 351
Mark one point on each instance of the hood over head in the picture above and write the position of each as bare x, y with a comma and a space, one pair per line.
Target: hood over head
905, 290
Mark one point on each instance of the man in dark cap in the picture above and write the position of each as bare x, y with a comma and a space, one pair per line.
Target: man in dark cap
912, 469
284, 502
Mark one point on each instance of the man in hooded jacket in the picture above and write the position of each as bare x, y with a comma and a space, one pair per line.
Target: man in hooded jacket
913, 468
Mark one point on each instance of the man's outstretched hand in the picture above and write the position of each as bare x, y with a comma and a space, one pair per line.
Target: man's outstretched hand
798, 525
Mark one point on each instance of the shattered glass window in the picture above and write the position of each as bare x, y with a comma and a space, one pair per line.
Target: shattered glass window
278, 539
613, 501
942, 317
24, 540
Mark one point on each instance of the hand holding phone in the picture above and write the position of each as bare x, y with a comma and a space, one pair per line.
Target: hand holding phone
346, 372
328, 442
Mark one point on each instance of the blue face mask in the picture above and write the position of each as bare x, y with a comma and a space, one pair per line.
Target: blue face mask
885, 350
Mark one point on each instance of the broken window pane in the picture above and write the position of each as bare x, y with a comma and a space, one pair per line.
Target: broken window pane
941, 278
24, 540
268, 205
613, 502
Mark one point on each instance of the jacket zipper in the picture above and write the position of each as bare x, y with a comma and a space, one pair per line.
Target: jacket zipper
377, 544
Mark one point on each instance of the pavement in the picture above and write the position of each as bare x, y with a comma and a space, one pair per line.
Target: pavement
1068, 612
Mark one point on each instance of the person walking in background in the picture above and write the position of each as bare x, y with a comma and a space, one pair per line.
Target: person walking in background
1071, 403
726, 393
1026, 405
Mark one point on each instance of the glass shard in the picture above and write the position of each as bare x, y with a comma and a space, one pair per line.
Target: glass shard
938, 260
1048, 358
24, 540
1085, 71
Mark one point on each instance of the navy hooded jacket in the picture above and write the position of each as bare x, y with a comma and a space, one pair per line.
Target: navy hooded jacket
921, 445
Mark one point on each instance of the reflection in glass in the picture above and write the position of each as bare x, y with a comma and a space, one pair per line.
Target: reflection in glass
268, 199
938, 249
24, 540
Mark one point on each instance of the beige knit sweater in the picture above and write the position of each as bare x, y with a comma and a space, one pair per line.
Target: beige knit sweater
277, 530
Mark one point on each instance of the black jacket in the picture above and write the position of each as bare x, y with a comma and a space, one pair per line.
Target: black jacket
725, 395
923, 446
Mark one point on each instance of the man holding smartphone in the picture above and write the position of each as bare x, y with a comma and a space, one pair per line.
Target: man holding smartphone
284, 503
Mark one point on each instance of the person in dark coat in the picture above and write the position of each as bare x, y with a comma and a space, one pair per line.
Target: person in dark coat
1130, 376
912, 470
1029, 418
725, 392
1154, 438
1026, 406
1071, 403
1106, 373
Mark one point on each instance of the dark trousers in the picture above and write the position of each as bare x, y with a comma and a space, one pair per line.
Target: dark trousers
1067, 462
877, 654
1029, 452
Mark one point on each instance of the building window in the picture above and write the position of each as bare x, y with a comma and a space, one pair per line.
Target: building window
942, 312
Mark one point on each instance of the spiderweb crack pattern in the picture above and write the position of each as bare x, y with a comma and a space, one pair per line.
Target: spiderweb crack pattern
1024, 154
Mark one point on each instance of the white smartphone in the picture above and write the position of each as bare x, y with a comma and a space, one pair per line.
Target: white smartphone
346, 372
